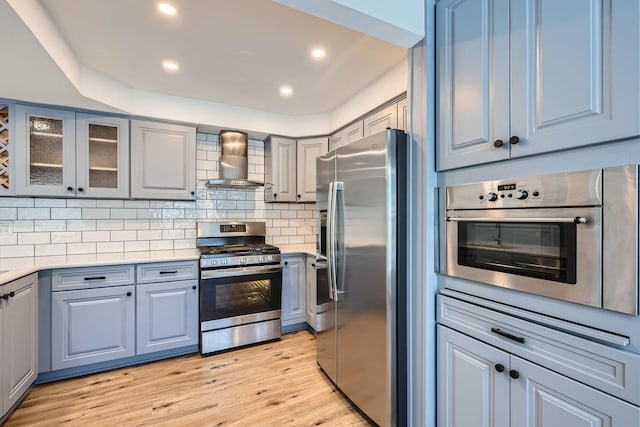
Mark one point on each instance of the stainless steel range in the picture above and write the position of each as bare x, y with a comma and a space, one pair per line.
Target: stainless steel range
240, 285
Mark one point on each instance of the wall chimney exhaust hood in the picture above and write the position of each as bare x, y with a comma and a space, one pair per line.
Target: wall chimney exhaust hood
234, 163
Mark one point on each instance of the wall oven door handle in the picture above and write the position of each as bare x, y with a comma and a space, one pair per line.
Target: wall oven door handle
241, 271
573, 220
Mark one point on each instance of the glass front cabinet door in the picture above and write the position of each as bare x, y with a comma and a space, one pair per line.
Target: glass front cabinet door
102, 156
64, 154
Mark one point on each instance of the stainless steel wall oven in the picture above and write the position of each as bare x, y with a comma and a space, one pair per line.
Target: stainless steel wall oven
570, 236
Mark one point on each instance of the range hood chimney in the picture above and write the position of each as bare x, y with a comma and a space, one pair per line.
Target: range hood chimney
234, 163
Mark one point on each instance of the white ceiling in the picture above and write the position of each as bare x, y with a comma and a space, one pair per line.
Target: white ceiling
235, 52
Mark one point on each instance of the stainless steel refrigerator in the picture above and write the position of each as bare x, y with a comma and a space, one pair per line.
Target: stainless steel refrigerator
361, 298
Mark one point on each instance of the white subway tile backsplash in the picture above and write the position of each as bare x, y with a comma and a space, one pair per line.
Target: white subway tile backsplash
34, 213
44, 226
66, 237
49, 250
66, 213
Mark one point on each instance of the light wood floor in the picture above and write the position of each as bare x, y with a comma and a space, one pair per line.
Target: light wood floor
273, 384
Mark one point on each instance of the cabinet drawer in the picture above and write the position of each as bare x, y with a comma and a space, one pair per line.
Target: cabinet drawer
92, 277
166, 271
606, 368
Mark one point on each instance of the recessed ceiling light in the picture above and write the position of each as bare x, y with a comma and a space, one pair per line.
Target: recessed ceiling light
170, 66
167, 9
318, 53
286, 91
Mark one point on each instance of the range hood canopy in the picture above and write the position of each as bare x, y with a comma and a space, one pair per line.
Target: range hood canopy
234, 163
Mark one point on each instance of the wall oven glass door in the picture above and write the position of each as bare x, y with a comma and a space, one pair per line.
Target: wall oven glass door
232, 292
551, 252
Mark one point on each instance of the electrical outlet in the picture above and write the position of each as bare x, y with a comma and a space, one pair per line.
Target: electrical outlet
6, 227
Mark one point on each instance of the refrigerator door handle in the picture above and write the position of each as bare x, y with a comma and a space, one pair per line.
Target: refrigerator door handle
330, 219
338, 226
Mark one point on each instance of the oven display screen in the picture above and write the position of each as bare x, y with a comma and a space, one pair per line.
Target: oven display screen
506, 187
233, 228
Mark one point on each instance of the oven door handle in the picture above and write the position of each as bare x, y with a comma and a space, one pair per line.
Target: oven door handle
573, 220
240, 271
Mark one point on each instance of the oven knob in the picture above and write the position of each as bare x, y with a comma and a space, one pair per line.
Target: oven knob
492, 197
214, 262
261, 259
243, 260
522, 194
270, 257
225, 261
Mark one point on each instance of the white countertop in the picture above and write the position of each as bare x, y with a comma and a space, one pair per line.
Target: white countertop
307, 248
15, 268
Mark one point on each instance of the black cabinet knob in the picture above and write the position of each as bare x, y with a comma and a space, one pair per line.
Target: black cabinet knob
193, 193
299, 196
498, 143
80, 189
514, 374
275, 195
286, 263
194, 287
5, 297
69, 188
499, 367
12, 294
514, 140
129, 294
313, 265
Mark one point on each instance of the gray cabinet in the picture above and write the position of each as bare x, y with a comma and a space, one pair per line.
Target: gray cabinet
311, 292
347, 135
479, 385
163, 161
280, 169
307, 151
102, 156
92, 325
403, 114
61, 153
167, 306
380, 120
516, 78
18, 339
293, 290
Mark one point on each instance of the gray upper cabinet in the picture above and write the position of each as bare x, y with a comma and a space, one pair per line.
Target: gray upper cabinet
307, 152
380, 120
18, 339
351, 133
280, 169
403, 114
102, 156
45, 152
517, 78
163, 161
472, 91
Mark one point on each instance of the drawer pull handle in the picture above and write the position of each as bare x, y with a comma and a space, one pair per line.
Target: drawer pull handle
169, 272
514, 374
95, 278
507, 335
499, 367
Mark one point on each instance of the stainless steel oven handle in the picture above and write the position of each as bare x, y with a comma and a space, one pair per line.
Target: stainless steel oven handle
241, 271
574, 220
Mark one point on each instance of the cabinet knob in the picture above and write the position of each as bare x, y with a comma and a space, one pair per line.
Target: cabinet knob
194, 287
514, 140
286, 263
129, 294
498, 143
5, 297
193, 193
275, 195
499, 367
313, 265
69, 188
12, 294
299, 196
80, 189
514, 374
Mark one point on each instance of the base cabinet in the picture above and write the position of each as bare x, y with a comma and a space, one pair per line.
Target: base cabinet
92, 325
293, 290
167, 316
18, 339
480, 385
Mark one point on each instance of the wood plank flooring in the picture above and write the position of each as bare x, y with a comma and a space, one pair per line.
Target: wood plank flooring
273, 384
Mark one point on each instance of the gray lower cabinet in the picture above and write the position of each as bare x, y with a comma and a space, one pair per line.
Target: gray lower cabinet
311, 290
167, 316
293, 290
18, 339
483, 386
92, 325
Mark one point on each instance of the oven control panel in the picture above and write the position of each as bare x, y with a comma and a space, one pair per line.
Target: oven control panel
582, 188
226, 261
